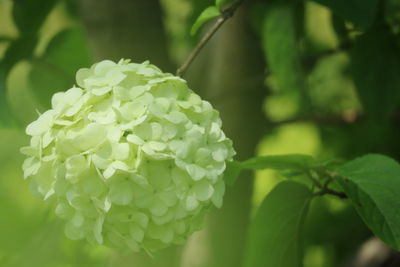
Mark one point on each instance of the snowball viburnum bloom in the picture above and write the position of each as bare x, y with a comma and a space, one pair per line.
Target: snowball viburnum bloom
132, 157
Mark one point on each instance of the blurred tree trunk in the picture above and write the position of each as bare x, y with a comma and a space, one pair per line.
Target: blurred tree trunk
229, 73
126, 29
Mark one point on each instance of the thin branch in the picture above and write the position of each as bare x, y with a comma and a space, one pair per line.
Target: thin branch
327, 191
225, 15
313, 179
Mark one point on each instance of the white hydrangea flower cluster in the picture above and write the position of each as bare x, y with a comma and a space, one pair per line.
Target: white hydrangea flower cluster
132, 157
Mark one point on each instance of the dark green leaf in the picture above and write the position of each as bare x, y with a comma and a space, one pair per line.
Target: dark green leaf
361, 12
29, 15
19, 49
221, 3
5, 111
207, 14
232, 172
375, 63
280, 46
55, 71
372, 183
47, 79
275, 233
69, 51
279, 162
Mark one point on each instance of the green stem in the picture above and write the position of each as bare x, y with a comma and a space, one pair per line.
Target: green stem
225, 15
328, 191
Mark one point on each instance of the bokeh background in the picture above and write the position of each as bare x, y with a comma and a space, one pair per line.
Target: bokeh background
288, 76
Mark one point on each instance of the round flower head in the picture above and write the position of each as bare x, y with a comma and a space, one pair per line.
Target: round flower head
132, 157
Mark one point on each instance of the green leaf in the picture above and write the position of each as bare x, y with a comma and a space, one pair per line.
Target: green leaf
21, 48
232, 172
279, 162
221, 3
18, 50
207, 14
372, 183
29, 15
361, 12
55, 71
275, 233
280, 46
375, 64
47, 79
6, 116
69, 50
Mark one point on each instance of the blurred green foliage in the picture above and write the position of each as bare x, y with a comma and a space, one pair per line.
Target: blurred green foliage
332, 78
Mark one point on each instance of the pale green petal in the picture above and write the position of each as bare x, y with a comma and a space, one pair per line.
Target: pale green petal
98, 229
31, 166
133, 110
138, 90
30, 151
176, 117
167, 217
191, 202
109, 172
140, 180
134, 139
93, 185
121, 151
101, 90
121, 193
168, 197
90, 137
160, 106
103, 67
63, 210
203, 190
81, 76
159, 174
73, 232
136, 233
42, 124
158, 207
156, 146
141, 219
195, 171
133, 245
219, 190
220, 152
77, 220
48, 137
74, 166
114, 77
